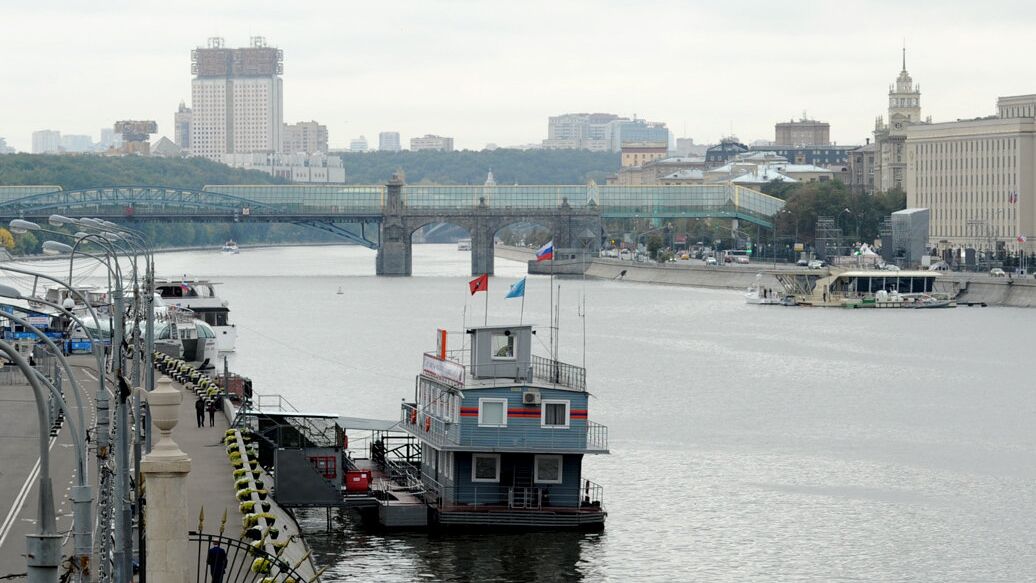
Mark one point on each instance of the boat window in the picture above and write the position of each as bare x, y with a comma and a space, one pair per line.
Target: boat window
554, 414
204, 331
492, 412
485, 467
547, 469
503, 346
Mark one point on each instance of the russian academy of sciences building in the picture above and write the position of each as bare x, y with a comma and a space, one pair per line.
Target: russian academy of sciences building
978, 177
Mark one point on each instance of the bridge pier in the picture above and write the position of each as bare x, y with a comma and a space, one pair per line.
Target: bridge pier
395, 256
482, 248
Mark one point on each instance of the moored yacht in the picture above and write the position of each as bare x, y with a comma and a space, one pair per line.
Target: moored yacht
231, 247
759, 294
200, 297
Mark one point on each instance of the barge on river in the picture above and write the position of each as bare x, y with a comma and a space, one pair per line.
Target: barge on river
503, 433
867, 289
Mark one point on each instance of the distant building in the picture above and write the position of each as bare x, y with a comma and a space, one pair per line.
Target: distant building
978, 177
820, 155
802, 132
302, 168
726, 150
358, 144
136, 135
109, 139
582, 131
182, 127
306, 137
860, 163
890, 138
640, 153
237, 99
431, 142
389, 142
166, 148
76, 143
687, 147
46, 142
4, 148
637, 131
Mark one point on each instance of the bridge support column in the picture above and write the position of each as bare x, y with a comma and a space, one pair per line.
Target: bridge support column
482, 252
394, 253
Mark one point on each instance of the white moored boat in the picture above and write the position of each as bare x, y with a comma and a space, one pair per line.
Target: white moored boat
200, 297
231, 247
759, 294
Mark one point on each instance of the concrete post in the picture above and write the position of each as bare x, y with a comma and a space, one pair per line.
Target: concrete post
165, 471
482, 252
394, 253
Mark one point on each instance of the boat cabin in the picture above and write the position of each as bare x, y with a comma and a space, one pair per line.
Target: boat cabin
503, 433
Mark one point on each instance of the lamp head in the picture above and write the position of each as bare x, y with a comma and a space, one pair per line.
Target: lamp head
61, 220
55, 248
7, 291
21, 226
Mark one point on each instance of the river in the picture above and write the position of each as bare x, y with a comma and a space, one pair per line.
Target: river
748, 443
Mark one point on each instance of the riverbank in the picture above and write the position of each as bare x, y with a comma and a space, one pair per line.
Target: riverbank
971, 287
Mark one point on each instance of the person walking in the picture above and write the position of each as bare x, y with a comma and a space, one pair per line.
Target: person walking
199, 410
212, 412
217, 562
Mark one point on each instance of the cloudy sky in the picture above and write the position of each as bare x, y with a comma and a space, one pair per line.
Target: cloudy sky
487, 71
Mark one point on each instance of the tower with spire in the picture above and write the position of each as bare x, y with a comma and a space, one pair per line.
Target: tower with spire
904, 110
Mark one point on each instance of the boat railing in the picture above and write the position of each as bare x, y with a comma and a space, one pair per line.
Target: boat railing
587, 436
545, 370
540, 497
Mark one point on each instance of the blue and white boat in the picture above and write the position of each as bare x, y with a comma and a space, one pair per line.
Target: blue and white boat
503, 434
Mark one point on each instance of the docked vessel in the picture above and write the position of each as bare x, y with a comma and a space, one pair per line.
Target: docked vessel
464, 245
759, 294
231, 247
869, 289
503, 433
200, 297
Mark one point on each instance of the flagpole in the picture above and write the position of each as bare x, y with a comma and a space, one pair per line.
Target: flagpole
485, 322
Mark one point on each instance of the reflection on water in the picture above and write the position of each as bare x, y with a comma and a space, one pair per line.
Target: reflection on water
359, 554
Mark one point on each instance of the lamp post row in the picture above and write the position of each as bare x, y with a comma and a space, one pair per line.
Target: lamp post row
112, 239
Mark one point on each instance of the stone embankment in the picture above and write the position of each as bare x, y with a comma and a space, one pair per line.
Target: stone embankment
973, 287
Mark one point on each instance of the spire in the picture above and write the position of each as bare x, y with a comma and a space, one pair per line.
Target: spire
904, 54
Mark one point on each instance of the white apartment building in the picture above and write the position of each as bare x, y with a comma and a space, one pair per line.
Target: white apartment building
358, 144
582, 131
431, 142
303, 168
46, 142
389, 142
308, 137
978, 177
237, 99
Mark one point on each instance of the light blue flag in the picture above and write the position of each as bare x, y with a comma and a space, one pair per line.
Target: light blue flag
517, 289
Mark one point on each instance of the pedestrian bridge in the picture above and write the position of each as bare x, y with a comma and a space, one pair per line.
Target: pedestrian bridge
374, 215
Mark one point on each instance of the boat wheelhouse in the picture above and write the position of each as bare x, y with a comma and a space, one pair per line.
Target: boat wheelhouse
200, 297
503, 433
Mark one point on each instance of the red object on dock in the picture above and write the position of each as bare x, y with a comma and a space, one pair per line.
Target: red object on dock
358, 481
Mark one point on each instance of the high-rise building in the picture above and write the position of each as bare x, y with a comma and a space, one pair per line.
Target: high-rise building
978, 177
4, 148
358, 144
890, 138
77, 143
582, 131
109, 139
389, 142
46, 142
804, 132
182, 127
637, 131
304, 137
237, 99
431, 142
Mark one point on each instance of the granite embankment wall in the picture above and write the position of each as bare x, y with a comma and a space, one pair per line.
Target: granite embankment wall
978, 287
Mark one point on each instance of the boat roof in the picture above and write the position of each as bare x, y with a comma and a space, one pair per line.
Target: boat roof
162, 280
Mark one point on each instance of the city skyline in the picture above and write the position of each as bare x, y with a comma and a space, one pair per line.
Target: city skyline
455, 69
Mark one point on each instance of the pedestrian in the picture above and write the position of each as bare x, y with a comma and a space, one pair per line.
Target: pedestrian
212, 412
199, 410
217, 562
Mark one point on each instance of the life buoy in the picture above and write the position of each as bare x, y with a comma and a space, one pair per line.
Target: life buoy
413, 416
427, 423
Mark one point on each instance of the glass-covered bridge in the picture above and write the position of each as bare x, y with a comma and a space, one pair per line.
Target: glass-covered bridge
360, 204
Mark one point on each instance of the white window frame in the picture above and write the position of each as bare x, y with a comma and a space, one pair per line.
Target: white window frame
512, 340
536, 469
476, 479
543, 413
481, 423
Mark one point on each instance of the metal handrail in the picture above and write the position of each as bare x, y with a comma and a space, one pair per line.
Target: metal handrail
543, 497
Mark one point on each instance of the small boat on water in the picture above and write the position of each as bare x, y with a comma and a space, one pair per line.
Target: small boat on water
761, 295
340, 292
231, 247
464, 245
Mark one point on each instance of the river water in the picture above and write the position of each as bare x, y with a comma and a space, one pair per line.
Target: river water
748, 443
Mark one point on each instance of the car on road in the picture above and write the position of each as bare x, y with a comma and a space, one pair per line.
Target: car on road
997, 272
815, 264
711, 261
742, 259
939, 266
802, 262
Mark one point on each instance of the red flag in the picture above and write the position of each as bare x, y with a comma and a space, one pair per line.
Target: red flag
479, 284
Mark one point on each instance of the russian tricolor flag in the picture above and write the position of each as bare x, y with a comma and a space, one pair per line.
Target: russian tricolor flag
546, 253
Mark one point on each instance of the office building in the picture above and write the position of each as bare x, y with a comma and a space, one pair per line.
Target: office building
4, 148
237, 100
389, 142
581, 131
431, 142
46, 142
804, 132
860, 164
819, 155
76, 143
978, 177
182, 127
109, 139
637, 131
304, 137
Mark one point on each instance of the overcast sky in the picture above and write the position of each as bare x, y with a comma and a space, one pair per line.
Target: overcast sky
485, 71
